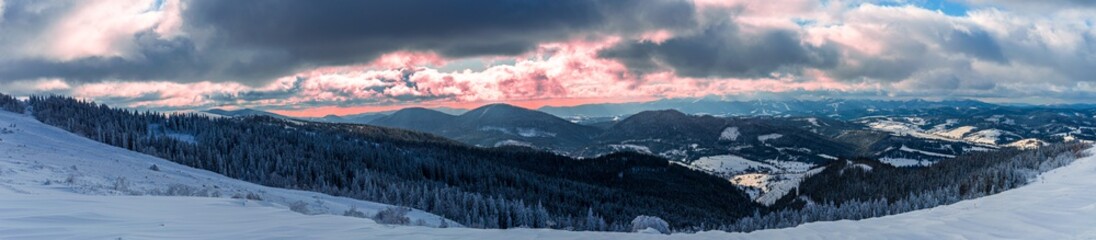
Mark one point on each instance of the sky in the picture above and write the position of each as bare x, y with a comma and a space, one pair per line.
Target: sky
313, 58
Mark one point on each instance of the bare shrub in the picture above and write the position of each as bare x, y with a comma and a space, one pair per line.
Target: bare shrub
393, 215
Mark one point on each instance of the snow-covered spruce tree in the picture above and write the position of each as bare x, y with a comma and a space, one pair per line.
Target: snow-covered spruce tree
594, 222
842, 196
9, 103
641, 223
479, 188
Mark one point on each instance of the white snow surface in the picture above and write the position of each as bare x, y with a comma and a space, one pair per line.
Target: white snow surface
778, 185
956, 133
523, 132
630, 147
907, 149
772, 183
790, 166
903, 129
729, 133
862, 166
1058, 205
939, 132
756, 180
770, 136
38, 161
905, 162
729, 164
533, 132
813, 121
1028, 143
512, 142
988, 136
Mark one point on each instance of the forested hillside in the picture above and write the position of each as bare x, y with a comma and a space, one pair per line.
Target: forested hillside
488, 188
508, 187
864, 188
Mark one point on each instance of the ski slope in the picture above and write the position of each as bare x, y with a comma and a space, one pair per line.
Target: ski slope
1059, 205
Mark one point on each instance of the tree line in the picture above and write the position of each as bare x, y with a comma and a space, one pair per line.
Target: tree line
477, 187
848, 190
518, 187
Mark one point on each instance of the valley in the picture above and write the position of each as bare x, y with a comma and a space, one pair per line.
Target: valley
32, 154
693, 170
773, 143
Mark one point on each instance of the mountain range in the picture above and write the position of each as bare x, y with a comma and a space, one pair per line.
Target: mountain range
486, 167
907, 133
783, 140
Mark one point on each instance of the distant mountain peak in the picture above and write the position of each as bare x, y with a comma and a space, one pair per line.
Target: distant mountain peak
500, 111
414, 118
499, 107
242, 112
417, 109
665, 114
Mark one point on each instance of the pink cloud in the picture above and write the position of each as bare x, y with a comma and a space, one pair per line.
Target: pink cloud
169, 94
557, 71
656, 36
406, 59
564, 73
106, 28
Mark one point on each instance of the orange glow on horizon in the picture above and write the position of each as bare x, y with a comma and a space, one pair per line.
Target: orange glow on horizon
530, 104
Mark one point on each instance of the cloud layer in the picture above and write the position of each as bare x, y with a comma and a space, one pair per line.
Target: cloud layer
301, 55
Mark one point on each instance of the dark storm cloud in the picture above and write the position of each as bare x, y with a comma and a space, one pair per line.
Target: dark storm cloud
975, 43
723, 51
21, 21
157, 59
903, 60
329, 29
343, 32
256, 41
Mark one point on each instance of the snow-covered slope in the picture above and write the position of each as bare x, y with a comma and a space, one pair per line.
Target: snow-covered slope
729, 165
1058, 205
765, 182
1027, 143
766, 189
42, 162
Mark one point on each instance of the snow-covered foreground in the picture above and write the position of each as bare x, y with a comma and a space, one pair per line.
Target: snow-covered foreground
1060, 205
41, 161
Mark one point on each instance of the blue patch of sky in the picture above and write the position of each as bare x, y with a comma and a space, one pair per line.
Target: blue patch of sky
802, 22
948, 7
474, 64
156, 6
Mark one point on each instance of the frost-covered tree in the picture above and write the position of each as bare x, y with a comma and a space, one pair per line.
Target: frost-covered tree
477, 187
642, 222
11, 104
885, 191
594, 222
495, 187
